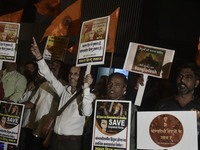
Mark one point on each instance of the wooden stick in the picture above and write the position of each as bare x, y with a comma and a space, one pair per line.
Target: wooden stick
88, 70
111, 60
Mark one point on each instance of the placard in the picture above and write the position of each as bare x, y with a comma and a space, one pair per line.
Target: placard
9, 34
150, 60
10, 122
170, 130
55, 48
92, 43
111, 125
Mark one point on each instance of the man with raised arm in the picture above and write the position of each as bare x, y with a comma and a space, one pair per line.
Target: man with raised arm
68, 127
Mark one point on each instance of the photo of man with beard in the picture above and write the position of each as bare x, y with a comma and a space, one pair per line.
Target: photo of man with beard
187, 80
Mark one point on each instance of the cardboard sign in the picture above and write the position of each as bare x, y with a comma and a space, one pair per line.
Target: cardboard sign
170, 130
9, 34
55, 48
111, 125
92, 43
150, 60
10, 122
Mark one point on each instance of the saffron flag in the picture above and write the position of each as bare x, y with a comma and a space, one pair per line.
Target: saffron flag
12, 17
198, 56
112, 31
74, 49
48, 7
67, 23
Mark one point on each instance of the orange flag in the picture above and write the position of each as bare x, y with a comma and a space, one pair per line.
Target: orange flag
74, 49
48, 7
198, 56
67, 23
12, 17
112, 31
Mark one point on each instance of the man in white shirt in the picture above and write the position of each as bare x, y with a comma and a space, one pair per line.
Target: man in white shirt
68, 127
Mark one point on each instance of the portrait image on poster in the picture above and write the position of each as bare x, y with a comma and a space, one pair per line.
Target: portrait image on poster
148, 60
111, 117
9, 33
111, 125
10, 122
93, 40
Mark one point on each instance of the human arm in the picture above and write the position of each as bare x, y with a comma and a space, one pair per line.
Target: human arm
28, 105
87, 97
45, 71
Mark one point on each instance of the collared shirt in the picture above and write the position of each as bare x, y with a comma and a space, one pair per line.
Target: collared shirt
14, 85
72, 119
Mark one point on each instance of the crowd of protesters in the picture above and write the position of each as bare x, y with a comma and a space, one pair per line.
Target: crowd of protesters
45, 88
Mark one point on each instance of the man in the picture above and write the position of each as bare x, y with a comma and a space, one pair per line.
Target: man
187, 80
14, 83
116, 88
30, 71
69, 125
45, 102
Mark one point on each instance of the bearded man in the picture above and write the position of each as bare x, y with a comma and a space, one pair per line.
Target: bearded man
187, 80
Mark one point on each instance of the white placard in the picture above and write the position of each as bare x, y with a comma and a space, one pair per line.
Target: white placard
9, 34
93, 40
150, 60
10, 122
111, 128
172, 130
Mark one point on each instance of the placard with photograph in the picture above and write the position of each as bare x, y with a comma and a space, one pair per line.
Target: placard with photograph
9, 34
92, 43
111, 125
10, 122
150, 60
167, 130
55, 48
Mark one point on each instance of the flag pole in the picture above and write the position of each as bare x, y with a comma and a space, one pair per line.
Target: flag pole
111, 60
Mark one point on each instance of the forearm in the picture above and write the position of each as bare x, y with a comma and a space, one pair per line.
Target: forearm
28, 105
87, 102
48, 75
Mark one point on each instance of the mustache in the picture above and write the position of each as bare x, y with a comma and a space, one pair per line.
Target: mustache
179, 85
111, 90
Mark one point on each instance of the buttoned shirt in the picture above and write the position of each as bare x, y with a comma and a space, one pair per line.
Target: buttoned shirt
72, 119
14, 85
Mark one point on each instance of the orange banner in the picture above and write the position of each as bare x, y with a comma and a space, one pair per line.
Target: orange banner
67, 23
48, 7
12, 17
112, 31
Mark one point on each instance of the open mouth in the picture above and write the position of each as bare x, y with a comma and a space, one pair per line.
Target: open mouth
111, 91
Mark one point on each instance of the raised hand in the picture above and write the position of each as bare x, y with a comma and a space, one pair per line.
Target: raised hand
35, 50
88, 79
